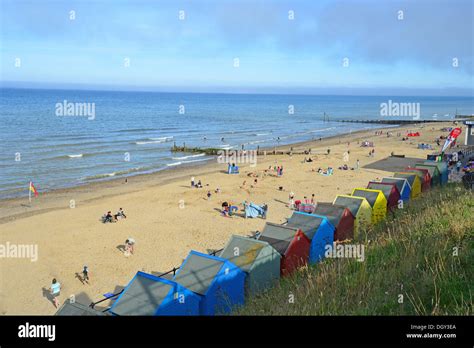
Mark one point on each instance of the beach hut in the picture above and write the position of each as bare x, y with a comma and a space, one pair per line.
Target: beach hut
218, 282
360, 208
150, 295
258, 259
77, 309
443, 170
434, 173
291, 243
390, 191
377, 201
414, 182
424, 176
402, 185
340, 217
318, 229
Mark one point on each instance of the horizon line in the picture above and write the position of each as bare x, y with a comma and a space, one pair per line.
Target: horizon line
257, 90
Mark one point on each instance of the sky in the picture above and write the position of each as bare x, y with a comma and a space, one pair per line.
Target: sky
335, 46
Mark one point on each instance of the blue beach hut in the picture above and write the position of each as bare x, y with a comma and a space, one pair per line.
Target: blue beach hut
147, 294
217, 281
402, 185
318, 229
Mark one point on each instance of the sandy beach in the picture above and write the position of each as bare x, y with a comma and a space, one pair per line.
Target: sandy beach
168, 218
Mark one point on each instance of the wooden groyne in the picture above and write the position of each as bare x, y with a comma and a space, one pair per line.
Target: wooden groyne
218, 152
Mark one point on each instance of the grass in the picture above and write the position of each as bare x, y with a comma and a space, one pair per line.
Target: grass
419, 261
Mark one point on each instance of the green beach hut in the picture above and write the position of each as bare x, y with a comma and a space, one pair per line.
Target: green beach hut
258, 259
434, 172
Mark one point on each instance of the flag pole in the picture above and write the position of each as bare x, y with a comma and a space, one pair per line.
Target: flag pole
29, 193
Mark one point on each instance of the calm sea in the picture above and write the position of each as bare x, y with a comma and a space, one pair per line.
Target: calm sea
132, 132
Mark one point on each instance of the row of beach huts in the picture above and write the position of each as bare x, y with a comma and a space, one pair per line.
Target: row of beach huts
209, 284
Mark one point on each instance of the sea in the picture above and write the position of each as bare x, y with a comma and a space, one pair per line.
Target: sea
64, 138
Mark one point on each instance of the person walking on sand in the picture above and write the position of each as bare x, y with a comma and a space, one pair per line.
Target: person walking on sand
85, 274
55, 292
357, 164
312, 199
192, 181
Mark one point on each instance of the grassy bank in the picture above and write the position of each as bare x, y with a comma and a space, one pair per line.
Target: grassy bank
423, 257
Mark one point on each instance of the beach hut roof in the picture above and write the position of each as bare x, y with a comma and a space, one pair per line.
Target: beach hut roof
399, 182
77, 309
198, 271
333, 212
432, 168
248, 248
386, 188
369, 194
307, 223
352, 203
408, 176
278, 236
143, 295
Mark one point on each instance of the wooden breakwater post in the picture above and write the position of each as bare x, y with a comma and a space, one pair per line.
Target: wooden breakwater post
217, 152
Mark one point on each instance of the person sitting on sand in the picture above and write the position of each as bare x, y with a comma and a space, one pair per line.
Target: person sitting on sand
129, 245
225, 209
218, 190
55, 292
209, 195
199, 184
108, 217
120, 214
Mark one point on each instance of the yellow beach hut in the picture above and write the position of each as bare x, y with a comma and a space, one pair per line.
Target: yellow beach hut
377, 201
360, 208
413, 180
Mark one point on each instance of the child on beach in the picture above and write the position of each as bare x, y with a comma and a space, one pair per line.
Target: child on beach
129, 246
291, 199
55, 291
85, 274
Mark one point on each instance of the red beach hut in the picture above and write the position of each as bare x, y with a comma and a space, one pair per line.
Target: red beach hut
424, 176
291, 243
389, 190
340, 217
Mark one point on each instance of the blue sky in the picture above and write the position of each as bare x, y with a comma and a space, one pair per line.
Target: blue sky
275, 53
